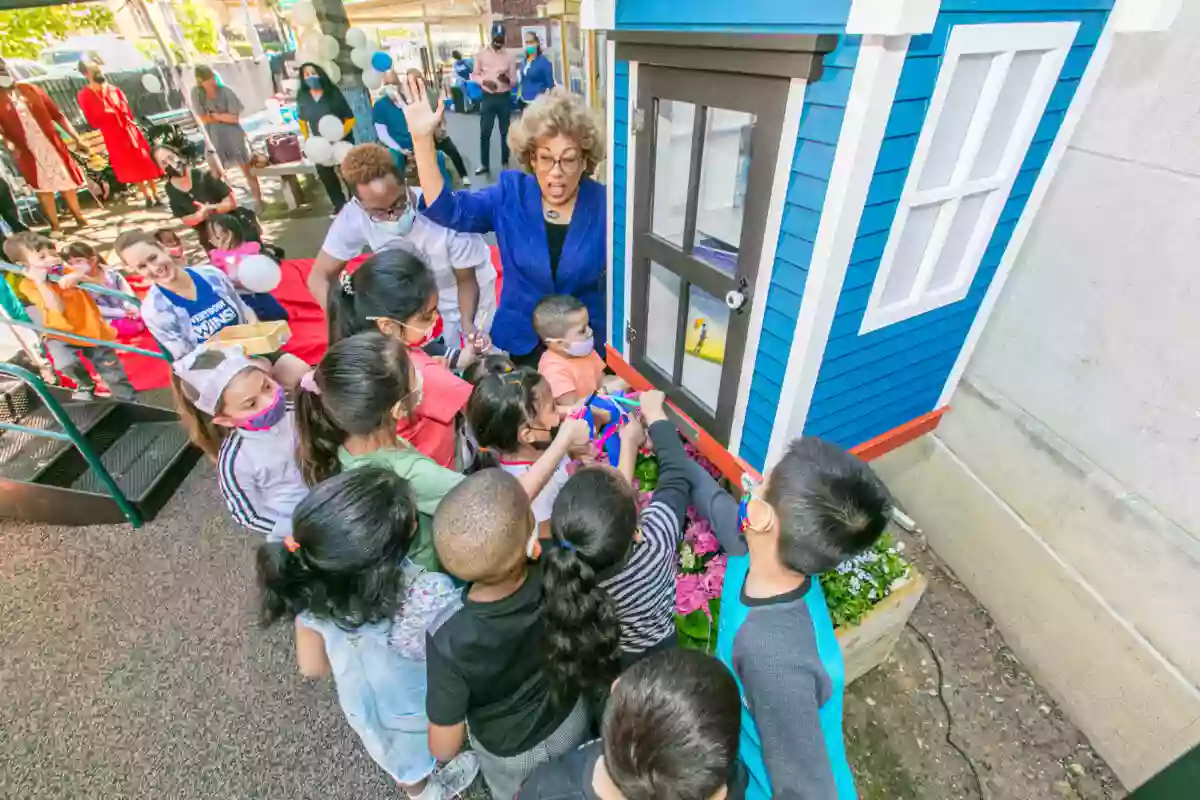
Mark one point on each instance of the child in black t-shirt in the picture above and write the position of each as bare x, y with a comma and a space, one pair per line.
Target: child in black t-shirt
485, 655
670, 733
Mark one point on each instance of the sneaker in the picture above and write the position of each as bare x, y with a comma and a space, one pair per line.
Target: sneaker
83, 394
466, 181
457, 775
482, 170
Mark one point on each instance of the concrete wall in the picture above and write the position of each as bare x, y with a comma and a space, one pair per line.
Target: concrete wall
1062, 488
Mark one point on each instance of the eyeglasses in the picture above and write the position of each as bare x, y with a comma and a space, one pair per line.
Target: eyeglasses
568, 162
389, 214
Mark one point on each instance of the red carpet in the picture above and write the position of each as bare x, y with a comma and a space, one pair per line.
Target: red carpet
307, 322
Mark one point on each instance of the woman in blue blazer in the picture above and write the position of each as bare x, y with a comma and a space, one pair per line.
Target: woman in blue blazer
537, 73
549, 221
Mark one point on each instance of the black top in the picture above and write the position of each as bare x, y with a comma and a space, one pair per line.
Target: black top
566, 778
556, 235
310, 109
207, 189
485, 665
570, 777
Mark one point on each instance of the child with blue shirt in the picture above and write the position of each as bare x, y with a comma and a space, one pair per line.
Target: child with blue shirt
818, 507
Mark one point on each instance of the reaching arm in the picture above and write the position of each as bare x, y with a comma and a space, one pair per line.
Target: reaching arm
468, 299
571, 434
633, 436
325, 270
672, 487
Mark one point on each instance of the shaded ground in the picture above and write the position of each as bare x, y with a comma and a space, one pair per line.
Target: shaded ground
131, 664
1020, 743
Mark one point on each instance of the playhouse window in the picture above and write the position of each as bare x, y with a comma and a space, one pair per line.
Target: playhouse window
993, 86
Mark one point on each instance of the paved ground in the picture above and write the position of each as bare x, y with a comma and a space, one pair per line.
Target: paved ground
131, 664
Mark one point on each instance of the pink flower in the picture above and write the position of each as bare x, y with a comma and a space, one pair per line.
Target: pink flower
690, 594
703, 540
712, 581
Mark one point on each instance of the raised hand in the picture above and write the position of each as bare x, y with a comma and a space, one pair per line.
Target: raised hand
422, 120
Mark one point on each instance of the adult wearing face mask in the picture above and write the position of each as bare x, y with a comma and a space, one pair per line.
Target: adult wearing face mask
27, 120
219, 109
537, 74
105, 108
318, 97
380, 217
194, 195
497, 74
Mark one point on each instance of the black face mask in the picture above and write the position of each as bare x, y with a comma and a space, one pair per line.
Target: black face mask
173, 171
497, 43
546, 444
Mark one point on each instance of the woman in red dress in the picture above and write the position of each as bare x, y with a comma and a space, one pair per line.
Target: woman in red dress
27, 120
106, 109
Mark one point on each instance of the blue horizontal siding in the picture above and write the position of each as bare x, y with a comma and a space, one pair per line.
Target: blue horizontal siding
746, 16
621, 158
870, 384
812, 160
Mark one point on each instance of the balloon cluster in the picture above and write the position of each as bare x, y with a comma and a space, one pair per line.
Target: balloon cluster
327, 146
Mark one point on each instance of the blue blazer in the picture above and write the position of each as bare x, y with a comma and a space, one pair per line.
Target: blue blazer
512, 208
537, 76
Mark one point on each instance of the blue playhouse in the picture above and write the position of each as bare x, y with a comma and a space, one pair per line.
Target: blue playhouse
814, 204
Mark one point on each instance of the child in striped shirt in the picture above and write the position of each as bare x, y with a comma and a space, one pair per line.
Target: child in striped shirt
610, 570
236, 413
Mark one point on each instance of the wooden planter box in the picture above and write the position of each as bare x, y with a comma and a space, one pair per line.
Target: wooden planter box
869, 643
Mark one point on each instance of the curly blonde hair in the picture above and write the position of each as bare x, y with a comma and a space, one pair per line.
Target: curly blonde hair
557, 112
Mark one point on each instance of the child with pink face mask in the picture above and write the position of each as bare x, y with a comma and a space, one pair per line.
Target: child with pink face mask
170, 242
237, 414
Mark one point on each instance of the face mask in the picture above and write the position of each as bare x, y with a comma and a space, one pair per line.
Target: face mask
398, 227
497, 44
313, 81
531, 49
431, 333
539, 445
176, 252
269, 417
6, 81
173, 171
581, 349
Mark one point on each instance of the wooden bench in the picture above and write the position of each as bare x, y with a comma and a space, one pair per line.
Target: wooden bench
289, 174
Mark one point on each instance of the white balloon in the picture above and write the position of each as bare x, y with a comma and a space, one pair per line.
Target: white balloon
360, 57
329, 47
303, 15
372, 79
319, 150
340, 149
259, 273
333, 71
356, 37
331, 128
151, 83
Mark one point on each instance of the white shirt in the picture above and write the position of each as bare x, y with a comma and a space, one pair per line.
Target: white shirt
543, 504
442, 249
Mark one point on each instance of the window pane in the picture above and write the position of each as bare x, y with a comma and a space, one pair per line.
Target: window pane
1012, 99
724, 172
966, 222
914, 240
704, 340
661, 317
965, 86
672, 163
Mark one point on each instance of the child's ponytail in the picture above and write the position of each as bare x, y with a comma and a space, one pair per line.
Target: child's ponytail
593, 525
393, 284
201, 430
318, 438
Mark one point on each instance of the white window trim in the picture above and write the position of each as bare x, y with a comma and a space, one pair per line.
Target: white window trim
1056, 38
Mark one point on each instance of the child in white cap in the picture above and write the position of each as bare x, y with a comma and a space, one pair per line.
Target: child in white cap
237, 414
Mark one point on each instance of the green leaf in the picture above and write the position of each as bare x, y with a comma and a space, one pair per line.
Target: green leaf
695, 625
30, 30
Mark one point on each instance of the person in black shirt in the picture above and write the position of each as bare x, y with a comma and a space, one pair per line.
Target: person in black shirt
485, 658
670, 733
319, 97
194, 196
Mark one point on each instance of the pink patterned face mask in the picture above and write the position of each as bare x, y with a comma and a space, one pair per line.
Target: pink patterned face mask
269, 417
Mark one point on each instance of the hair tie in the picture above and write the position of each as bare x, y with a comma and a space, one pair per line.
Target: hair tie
308, 382
291, 544
347, 286
565, 545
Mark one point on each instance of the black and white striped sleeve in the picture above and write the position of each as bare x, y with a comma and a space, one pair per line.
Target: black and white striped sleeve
235, 477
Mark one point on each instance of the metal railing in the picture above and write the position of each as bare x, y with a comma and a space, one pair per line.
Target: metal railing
69, 431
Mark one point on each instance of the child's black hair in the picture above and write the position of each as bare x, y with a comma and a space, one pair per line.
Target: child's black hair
499, 405
395, 284
830, 505
349, 536
167, 237
237, 228
490, 364
360, 381
593, 525
671, 728
482, 525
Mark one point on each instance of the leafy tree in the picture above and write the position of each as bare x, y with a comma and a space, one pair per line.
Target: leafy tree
198, 26
28, 31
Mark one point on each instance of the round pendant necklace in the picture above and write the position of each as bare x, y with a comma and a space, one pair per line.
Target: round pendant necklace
550, 213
